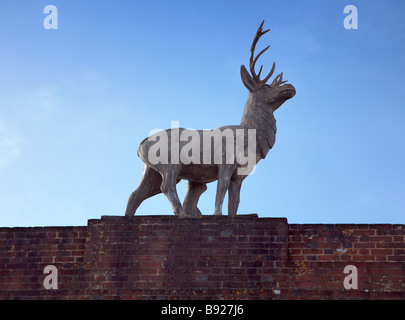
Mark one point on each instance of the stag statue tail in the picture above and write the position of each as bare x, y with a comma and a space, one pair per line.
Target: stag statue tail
149, 186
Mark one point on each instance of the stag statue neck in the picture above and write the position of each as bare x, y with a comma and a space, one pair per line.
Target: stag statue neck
260, 117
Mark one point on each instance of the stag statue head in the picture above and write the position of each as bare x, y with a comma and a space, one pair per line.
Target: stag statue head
273, 95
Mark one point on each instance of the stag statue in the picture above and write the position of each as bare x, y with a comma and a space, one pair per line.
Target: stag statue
162, 176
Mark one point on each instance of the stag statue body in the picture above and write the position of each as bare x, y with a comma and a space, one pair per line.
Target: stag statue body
262, 101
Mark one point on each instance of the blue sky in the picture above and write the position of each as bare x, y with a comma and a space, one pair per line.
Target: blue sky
75, 103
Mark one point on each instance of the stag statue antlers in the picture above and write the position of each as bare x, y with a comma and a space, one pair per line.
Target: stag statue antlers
229, 166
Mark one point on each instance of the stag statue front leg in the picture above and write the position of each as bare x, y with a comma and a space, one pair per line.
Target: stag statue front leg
234, 194
224, 177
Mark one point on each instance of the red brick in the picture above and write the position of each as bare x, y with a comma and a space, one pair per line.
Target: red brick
165, 257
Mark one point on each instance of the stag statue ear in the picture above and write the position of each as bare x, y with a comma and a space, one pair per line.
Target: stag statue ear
247, 80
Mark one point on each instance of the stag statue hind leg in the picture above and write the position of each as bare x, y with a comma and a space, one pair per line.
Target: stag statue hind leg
168, 187
194, 191
149, 186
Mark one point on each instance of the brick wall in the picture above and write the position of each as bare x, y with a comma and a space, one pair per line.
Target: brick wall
24, 253
162, 257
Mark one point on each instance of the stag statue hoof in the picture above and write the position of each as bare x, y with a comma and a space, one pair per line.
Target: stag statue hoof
193, 213
181, 214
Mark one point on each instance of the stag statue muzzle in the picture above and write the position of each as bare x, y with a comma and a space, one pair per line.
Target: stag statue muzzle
162, 176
